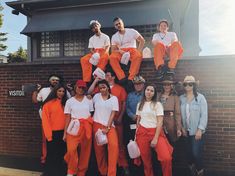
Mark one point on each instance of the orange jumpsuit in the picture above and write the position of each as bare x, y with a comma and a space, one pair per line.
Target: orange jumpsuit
83, 140
106, 167
121, 94
135, 58
174, 51
87, 66
163, 149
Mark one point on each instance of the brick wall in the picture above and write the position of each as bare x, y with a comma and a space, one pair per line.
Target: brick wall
20, 124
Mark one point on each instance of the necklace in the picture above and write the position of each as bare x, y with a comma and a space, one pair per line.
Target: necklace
162, 37
121, 37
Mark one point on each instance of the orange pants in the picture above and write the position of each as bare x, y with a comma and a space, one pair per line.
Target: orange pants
105, 167
163, 149
135, 58
174, 52
78, 162
122, 158
44, 148
87, 66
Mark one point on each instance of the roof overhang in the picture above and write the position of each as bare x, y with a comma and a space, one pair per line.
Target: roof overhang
28, 7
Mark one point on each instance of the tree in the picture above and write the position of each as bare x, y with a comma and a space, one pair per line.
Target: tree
2, 35
19, 56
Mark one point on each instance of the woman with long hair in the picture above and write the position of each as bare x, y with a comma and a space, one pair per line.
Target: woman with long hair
171, 104
194, 112
150, 134
53, 122
78, 110
106, 105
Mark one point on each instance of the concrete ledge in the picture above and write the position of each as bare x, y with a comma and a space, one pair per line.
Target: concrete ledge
17, 172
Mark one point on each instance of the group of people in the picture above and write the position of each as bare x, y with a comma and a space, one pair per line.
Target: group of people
75, 118
124, 49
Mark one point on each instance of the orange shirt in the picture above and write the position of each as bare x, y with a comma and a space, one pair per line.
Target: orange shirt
53, 117
120, 93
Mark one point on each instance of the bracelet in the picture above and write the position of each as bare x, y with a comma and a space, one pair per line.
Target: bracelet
108, 128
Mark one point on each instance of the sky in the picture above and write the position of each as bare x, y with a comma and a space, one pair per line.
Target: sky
216, 28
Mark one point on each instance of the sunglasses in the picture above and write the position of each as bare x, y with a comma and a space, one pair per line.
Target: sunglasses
188, 84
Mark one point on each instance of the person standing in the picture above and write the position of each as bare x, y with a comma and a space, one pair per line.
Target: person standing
172, 115
166, 43
99, 45
133, 99
121, 95
78, 108
194, 112
39, 97
150, 134
106, 106
53, 122
124, 41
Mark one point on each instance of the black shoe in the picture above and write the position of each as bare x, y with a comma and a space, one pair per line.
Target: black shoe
123, 81
170, 71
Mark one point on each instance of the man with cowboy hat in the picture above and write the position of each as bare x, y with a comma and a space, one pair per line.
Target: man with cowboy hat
99, 45
133, 99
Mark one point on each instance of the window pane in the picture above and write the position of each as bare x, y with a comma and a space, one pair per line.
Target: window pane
50, 44
75, 43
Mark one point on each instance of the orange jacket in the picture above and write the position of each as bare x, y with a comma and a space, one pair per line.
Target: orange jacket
53, 117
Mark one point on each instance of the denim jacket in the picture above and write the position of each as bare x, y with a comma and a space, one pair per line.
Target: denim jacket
198, 113
132, 100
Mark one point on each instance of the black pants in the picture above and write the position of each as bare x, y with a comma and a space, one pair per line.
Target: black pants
55, 165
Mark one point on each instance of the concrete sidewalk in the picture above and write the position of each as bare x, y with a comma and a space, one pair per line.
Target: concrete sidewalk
17, 172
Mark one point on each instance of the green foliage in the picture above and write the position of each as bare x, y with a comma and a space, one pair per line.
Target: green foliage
19, 56
2, 35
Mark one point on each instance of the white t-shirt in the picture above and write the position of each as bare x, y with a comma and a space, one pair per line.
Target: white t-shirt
99, 41
43, 94
149, 114
167, 39
104, 108
126, 40
79, 109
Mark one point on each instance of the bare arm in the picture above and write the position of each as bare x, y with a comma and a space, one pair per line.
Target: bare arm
92, 87
121, 112
158, 131
141, 41
34, 97
106, 130
107, 49
67, 121
178, 115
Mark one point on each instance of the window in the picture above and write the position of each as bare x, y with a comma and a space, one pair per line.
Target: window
75, 43
50, 44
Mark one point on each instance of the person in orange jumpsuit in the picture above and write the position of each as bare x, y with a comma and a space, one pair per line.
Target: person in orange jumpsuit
149, 133
166, 43
121, 94
106, 106
124, 41
99, 44
53, 122
78, 108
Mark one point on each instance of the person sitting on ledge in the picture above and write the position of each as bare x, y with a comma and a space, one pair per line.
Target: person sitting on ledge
99, 45
166, 43
124, 44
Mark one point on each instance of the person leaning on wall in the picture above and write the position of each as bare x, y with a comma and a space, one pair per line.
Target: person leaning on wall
171, 104
194, 112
